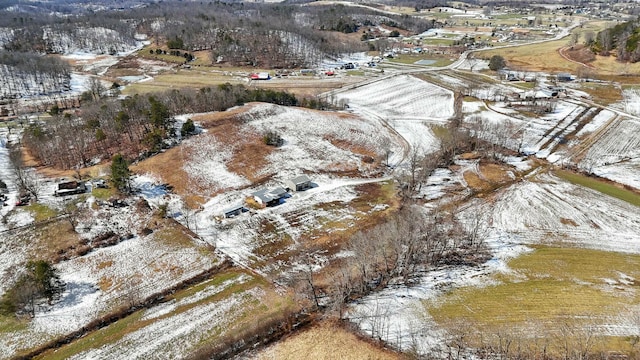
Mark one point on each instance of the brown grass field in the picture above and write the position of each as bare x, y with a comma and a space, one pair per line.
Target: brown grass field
224, 127
547, 57
490, 176
326, 341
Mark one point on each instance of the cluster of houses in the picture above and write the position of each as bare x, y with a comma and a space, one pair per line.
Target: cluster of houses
267, 197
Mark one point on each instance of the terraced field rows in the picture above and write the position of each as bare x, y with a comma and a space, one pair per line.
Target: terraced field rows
620, 141
402, 96
555, 134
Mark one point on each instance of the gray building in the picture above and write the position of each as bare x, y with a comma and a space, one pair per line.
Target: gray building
299, 183
270, 197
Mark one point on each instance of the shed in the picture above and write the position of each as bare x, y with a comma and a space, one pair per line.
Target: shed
299, 183
234, 211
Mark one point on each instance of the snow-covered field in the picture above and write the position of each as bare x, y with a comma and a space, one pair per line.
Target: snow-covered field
402, 97
301, 214
179, 322
310, 138
315, 143
551, 210
547, 210
407, 104
616, 154
106, 278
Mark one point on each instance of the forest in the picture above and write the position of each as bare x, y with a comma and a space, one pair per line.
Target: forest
236, 33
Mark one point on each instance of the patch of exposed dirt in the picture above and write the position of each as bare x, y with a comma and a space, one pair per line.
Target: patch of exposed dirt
169, 167
369, 156
489, 177
578, 53
566, 221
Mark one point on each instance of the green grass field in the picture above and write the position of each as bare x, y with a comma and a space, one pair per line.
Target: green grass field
41, 212
546, 285
438, 42
180, 80
602, 186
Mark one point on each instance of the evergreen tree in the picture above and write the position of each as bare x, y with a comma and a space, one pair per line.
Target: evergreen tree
188, 128
46, 279
120, 173
40, 281
496, 63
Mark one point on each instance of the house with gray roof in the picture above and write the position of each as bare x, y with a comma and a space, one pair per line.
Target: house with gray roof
270, 197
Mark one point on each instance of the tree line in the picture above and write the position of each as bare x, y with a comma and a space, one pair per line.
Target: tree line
39, 281
623, 38
135, 127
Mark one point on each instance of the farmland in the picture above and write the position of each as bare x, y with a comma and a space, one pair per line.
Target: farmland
450, 211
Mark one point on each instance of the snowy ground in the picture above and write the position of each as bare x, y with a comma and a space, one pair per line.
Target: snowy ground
547, 210
188, 326
308, 137
316, 144
407, 104
239, 238
616, 154
313, 143
105, 278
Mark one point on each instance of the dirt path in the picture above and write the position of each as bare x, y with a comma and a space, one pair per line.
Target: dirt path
561, 52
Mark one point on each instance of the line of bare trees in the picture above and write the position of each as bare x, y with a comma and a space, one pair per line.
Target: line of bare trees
396, 251
25, 177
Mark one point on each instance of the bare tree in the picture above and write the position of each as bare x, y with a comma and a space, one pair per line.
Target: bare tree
305, 283
25, 177
573, 40
71, 212
589, 37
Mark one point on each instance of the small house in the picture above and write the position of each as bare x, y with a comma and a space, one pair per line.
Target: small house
270, 197
70, 188
234, 211
299, 183
564, 77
